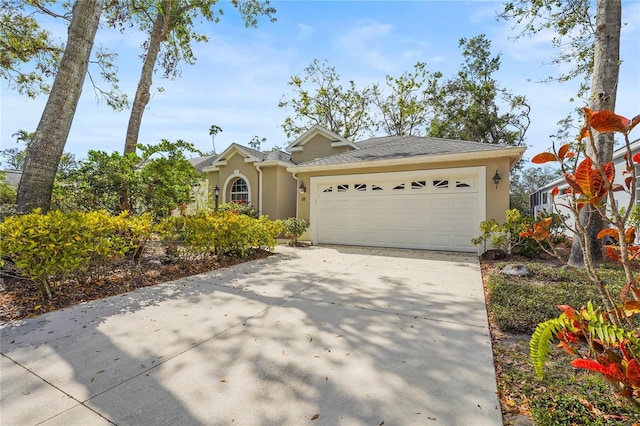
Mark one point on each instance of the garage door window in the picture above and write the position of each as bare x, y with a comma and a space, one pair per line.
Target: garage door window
462, 184
240, 191
419, 184
441, 183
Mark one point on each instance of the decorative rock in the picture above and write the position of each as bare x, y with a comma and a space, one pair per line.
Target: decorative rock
493, 254
516, 270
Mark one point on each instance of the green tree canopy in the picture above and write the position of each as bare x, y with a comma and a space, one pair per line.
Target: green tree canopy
470, 106
318, 97
403, 106
171, 28
158, 178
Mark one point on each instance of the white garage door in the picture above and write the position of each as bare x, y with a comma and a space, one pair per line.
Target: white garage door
436, 210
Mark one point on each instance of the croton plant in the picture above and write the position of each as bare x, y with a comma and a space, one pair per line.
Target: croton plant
603, 339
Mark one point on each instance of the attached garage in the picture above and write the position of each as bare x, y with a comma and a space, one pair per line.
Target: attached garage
399, 191
425, 209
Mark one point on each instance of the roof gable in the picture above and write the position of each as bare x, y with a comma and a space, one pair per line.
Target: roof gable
336, 140
250, 155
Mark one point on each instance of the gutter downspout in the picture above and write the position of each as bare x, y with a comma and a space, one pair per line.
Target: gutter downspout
259, 190
295, 176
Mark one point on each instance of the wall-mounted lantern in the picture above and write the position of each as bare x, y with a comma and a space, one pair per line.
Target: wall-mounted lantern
496, 178
216, 194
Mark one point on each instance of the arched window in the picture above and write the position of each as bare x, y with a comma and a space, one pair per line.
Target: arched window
240, 191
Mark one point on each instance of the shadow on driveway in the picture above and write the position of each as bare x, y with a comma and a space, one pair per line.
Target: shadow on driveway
353, 335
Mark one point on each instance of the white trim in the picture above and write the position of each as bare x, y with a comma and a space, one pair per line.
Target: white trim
210, 169
514, 152
342, 143
296, 149
317, 181
295, 176
236, 174
230, 150
274, 163
259, 189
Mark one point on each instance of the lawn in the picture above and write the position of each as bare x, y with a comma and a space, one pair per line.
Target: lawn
566, 395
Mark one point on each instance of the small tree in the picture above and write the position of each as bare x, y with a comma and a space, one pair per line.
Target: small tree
294, 227
157, 180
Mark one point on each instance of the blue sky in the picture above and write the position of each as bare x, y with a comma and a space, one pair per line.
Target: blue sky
241, 74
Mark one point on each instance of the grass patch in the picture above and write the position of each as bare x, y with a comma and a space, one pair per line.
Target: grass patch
518, 304
566, 395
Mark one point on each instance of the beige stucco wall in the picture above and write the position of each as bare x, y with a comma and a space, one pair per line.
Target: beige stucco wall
286, 194
317, 147
497, 198
222, 178
278, 185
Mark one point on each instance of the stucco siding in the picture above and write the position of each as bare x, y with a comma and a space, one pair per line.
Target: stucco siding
236, 168
270, 189
286, 194
317, 147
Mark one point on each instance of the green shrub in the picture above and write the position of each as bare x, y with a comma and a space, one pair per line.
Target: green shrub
294, 227
49, 248
156, 179
240, 208
7, 192
222, 233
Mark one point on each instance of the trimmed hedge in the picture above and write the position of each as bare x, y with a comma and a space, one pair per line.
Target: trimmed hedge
222, 233
49, 248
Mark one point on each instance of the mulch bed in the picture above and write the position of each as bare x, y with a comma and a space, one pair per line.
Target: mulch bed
515, 405
21, 298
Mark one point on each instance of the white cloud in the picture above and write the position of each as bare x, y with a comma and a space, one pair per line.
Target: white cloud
305, 31
365, 43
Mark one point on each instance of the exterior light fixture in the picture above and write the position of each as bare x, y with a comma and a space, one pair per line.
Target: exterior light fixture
302, 188
216, 194
496, 178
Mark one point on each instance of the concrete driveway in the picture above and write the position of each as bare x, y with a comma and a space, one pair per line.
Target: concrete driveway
321, 335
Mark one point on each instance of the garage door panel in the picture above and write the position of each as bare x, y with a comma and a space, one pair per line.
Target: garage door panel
419, 214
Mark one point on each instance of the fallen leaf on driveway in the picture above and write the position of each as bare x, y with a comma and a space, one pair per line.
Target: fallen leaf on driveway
315, 416
223, 380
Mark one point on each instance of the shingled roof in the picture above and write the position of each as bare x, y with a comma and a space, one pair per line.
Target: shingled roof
397, 147
257, 156
201, 162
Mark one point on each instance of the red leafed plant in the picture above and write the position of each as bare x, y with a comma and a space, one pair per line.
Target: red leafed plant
604, 340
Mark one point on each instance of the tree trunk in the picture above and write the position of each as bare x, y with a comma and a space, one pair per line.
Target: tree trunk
143, 94
46, 147
157, 36
604, 84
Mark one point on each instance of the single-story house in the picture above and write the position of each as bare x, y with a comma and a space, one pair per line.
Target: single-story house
541, 201
392, 191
